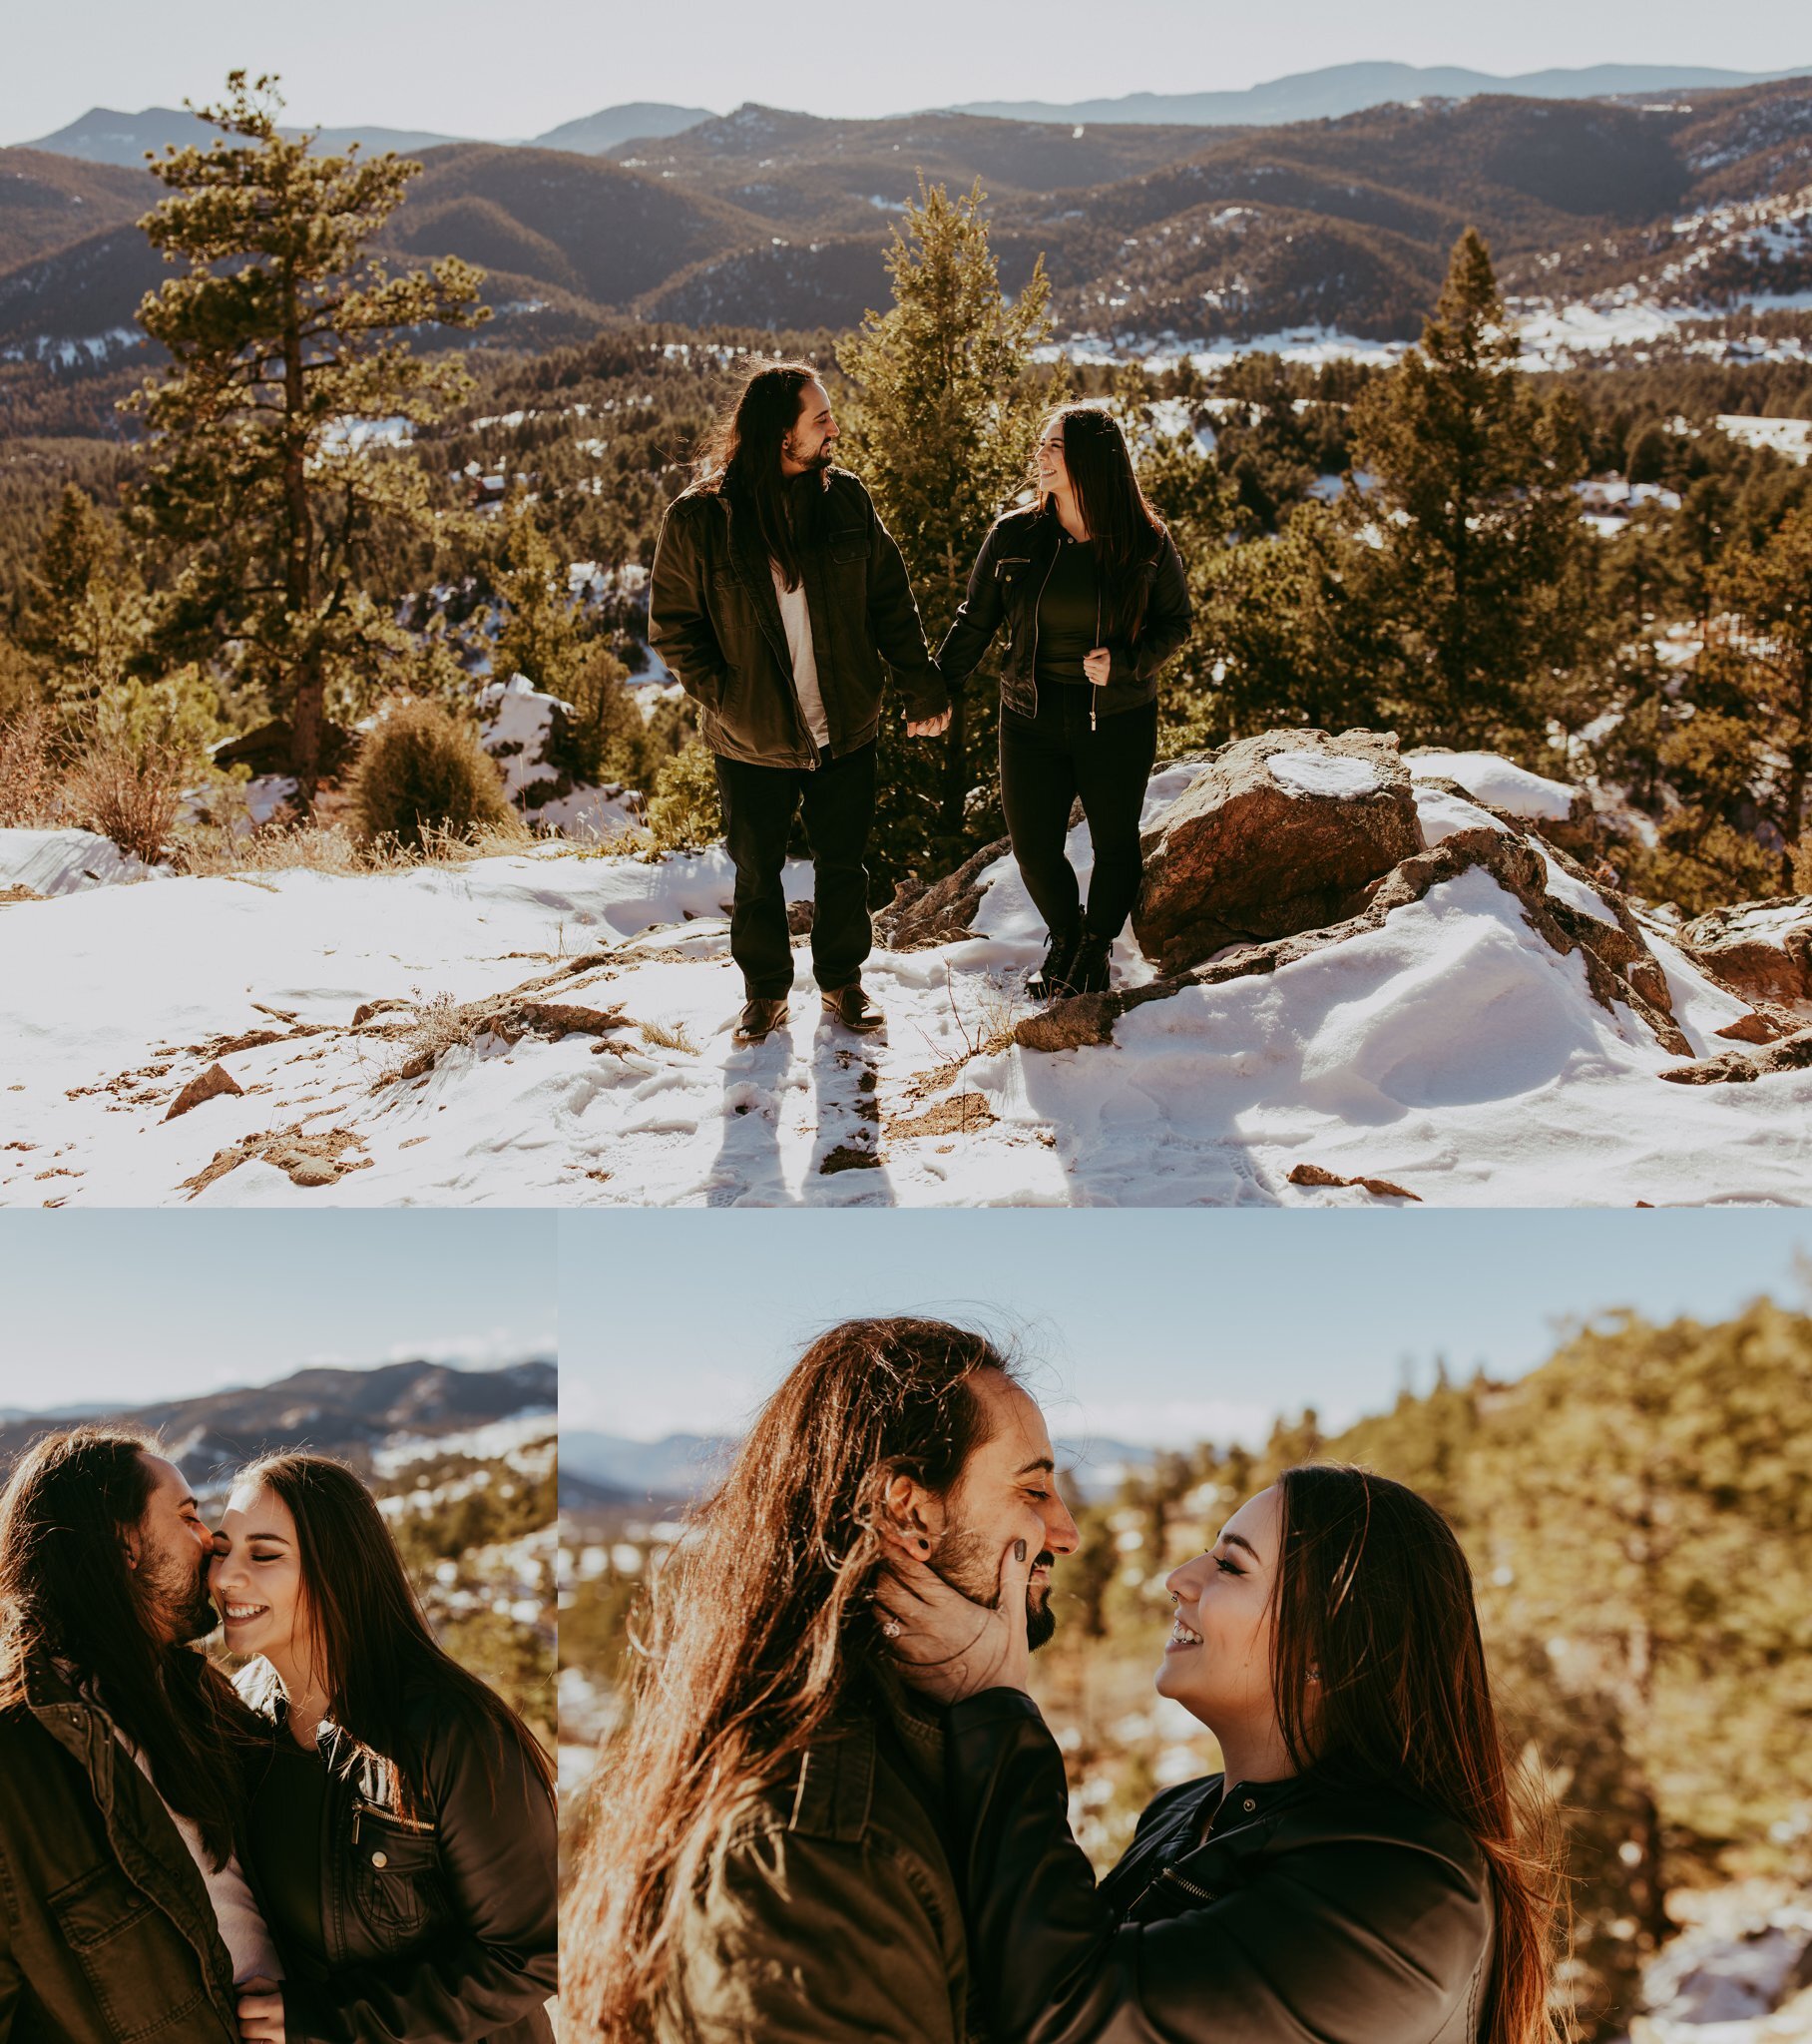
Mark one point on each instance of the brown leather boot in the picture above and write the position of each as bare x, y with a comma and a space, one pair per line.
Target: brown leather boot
852, 1007
760, 1018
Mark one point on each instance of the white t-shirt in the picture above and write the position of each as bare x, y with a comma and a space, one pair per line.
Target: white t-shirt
796, 615
243, 1932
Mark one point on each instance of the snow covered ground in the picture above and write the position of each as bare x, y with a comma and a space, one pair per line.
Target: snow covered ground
1450, 1051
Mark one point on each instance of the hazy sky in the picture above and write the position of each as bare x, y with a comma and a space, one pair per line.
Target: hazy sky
140, 1307
1154, 1327
467, 66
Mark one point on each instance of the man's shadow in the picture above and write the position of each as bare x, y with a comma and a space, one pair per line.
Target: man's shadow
748, 1169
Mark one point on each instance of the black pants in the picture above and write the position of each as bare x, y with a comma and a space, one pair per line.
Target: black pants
759, 804
1048, 761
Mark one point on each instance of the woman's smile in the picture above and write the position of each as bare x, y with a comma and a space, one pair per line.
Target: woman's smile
1181, 1637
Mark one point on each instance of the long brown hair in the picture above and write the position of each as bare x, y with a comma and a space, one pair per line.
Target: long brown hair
66, 1593
372, 1641
742, 459
757, 1628
1375, 1596
1128, 533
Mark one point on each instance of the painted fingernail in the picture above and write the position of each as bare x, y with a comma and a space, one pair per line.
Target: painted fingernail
1019, 1550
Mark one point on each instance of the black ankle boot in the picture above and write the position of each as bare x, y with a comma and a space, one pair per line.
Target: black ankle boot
1052, 979
1089, 972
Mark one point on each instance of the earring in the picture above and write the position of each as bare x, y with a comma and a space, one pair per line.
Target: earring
1314, 1671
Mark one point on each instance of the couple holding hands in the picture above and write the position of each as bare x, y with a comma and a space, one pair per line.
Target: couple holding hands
836, 1816
779, 600
352, 1839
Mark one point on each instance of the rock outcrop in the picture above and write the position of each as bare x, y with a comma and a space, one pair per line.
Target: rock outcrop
1278, 833
1759, 949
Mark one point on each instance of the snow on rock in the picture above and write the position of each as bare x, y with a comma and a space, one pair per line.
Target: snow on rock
555, 1027
1736, 1973
1499, 782
1440, 815
68, 861
1761, 948
523, 726
1305, 772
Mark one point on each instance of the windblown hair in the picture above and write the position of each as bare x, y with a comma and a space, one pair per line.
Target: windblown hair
741, 461
1128, 533
760, 1624
372, 1645
1375, 1594
67, 1594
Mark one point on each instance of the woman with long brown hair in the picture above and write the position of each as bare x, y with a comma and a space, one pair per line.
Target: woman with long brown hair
1358, 1873
1092, 592
401, 1815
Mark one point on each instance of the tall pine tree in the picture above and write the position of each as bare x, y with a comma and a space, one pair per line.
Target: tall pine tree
947, 412
285, 335
1475, 521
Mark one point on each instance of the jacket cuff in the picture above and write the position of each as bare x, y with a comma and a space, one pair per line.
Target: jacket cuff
1122, 663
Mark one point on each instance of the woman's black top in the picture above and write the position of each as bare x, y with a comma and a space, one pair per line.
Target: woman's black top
1281, 1912
288, 1811
1069, 614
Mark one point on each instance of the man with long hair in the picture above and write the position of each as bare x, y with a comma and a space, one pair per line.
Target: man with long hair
767, 1857
123, 1910
777, 596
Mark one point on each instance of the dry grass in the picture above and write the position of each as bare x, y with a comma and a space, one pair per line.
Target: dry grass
131, 793
215, 851
668, 1038
30, 783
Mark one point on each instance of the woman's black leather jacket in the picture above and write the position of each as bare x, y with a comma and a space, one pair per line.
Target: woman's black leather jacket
1004, 588
440, 1925
1307, 1915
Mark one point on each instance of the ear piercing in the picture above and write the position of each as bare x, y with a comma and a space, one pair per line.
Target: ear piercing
891, 1626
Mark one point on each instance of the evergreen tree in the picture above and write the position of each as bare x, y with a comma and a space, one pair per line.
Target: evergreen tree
942, 434
284, 335
82, 615
543, 632
1475, 525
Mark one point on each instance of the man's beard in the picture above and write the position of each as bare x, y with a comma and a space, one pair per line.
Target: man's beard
175, 1600
966, 1562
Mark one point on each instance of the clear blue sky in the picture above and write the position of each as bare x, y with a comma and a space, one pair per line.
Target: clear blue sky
468, 67
137, 1307
1155, 1326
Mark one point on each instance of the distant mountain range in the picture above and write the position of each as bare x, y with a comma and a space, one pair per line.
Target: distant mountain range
772, 219
1340, 89
105, 136
603, 1469
353, 1413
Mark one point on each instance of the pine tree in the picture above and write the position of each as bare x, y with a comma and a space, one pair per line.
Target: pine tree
83, 616
1475, 521
543, 632
284, 333
942, 434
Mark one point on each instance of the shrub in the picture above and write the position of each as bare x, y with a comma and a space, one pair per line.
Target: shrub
130, 791
28, 770
683, 813
422, 771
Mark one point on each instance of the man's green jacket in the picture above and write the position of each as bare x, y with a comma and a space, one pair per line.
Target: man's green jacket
105, 1929
715, 617
831, 1915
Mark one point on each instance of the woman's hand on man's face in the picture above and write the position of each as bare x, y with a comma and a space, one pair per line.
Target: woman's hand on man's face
944, 1643
261, 2012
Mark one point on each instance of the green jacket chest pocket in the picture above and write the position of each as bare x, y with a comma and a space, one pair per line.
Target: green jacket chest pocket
848, 548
